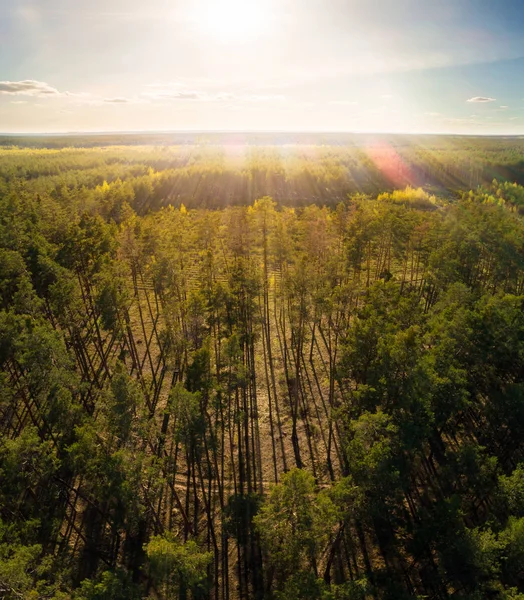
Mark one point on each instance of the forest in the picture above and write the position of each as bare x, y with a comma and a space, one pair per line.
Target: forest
218, 170
247, 372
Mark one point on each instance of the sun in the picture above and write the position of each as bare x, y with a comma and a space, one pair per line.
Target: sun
232, 21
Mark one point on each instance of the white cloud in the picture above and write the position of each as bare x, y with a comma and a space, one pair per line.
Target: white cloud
179, 91
172, 95
32, 88
482, 99
28, 87
117, 100
38, 89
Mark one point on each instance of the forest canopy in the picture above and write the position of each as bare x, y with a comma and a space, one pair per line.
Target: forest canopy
285, 373
219, 170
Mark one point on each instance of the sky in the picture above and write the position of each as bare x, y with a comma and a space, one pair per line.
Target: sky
412, 66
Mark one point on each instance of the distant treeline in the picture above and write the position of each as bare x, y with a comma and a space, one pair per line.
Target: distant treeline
279, 138
226, 170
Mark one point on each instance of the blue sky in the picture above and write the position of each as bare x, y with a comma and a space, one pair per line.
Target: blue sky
317, 65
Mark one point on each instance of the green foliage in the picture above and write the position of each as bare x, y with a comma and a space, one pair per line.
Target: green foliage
415, 198
239, 514
190, 421
198, 372
123, 404
19, 569
294, 524
512, 488
109, 586
178, 567
371, 449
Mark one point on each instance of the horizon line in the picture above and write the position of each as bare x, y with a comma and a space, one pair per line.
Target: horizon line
249, 132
